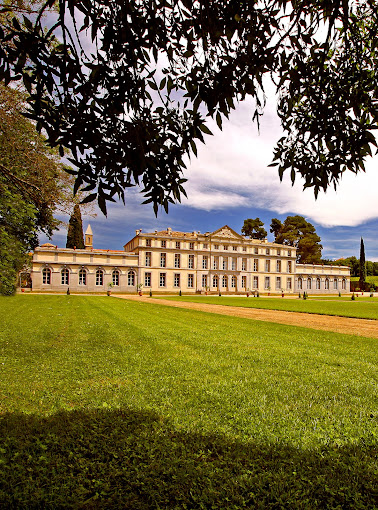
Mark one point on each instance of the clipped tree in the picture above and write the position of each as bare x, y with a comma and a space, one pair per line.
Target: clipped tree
298, 232
275, 227
254, 229
362, 265
75, 237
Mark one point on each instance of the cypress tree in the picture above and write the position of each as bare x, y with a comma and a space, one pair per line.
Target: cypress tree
75, 236
362, 265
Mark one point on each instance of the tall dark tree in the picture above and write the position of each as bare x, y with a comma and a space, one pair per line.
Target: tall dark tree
125, 126
275, 227
254, 229
362, 264
75, 237
298, 232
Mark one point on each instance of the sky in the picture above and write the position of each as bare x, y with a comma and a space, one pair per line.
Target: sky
230, 181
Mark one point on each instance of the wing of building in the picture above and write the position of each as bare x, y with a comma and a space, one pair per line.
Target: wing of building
169, 261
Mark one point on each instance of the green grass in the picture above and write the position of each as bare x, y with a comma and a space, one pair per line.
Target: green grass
361, 308
114, 404
369, 279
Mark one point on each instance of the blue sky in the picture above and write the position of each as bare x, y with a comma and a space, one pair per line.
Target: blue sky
230, 181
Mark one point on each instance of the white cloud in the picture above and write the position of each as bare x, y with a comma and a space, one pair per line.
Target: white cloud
232, 170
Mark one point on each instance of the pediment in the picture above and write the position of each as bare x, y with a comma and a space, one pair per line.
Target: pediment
228, 233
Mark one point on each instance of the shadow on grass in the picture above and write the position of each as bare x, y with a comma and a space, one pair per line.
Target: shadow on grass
137, 460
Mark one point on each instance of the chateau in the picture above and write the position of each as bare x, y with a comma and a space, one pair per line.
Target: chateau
168, 261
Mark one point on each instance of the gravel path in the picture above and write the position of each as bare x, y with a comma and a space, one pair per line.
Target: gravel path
345, 325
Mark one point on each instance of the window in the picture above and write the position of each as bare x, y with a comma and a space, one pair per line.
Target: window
131, 278
204, 261
233, 282
191, 261
215, 281
244, 282
255, 282
190, 281
244, 248
115, 277
278, 283
318, 283
233, 264
82, 277
176, 280
191, 246
148, 258
335, 283
256, 251
267, 266
278, 252
267, 282
178, 245
147, 279
343, 284
65, 276
278, 266
216, 246
235, 248
204, 281
309, 283
255, 264
99, 277
225, 247
327, 284
289, 266
46, 276
216, 263
163, 245
177, 260
224, 263
148, 242
162, 277
300, 283
244, 264
289, 253
204, 246
288, 284
267, 251
163, 259
224, 281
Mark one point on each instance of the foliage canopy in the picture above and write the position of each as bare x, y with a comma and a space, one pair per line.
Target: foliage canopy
298, 232
254, 228
99, 91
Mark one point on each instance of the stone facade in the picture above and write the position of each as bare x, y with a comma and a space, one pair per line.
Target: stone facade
169, 261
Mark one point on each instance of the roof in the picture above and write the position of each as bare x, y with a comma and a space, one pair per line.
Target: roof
89, 231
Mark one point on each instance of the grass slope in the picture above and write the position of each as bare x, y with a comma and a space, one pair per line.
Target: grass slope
113, 404
360, 308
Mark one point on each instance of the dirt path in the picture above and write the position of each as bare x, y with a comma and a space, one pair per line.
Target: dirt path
345, 325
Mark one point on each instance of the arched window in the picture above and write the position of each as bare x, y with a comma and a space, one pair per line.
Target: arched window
318, 283
131, 278
300, 283
65, 276
326, 284
99, 277
215, 281
335, 283
233, 282
115, 277
224, 281
46, 276
309, 283
82, 277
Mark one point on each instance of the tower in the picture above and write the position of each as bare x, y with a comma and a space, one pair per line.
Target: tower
88, 238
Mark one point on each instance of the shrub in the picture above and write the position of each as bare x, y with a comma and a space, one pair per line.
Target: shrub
353, 297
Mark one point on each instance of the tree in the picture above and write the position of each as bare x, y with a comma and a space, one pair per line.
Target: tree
275, 227
126, 124
298, 232
362, 272
75, 237
254, 229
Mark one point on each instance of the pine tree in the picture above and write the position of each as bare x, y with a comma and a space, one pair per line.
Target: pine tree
75, 238
362, 265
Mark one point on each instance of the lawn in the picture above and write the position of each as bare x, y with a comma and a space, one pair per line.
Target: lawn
108, 403
369, 279
362, 308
